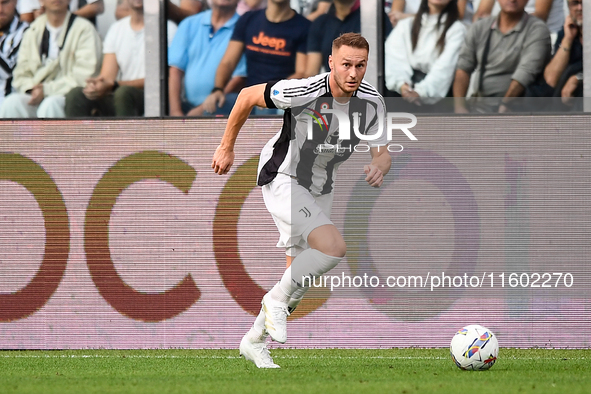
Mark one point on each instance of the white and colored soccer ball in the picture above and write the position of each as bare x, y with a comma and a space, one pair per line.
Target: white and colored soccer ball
474, 348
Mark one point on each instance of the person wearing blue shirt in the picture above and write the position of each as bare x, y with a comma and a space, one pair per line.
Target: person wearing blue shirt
196, 50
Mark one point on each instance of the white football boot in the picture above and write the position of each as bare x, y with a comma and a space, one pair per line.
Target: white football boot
275, 318
257, 352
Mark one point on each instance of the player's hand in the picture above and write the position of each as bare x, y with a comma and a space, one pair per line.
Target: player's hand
214, 101
374, 177
222, 160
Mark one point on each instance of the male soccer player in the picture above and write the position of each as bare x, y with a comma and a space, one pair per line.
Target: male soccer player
297, 173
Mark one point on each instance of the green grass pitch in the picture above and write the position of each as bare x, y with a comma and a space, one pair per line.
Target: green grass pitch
303, 371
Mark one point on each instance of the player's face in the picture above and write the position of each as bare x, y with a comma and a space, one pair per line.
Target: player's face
347, 66
7, 10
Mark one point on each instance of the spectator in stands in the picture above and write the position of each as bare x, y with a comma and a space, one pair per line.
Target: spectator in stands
311, 9
421, 53
563, 73
176, 13
250, 5
58, 52
26, 8
119, 88
343, 17
508, 53
89, 9
483, 9
195, 53
274, 41
402, 9
550, 11
466, 10
11, 34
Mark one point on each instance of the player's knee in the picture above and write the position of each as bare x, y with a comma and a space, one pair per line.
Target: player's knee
328, 240
337, 248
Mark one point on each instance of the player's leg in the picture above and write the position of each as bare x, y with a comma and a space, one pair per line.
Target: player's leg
325, 203
326, 251
259, 323
253, 345
298, 295
308, 227
327, 248
254, 348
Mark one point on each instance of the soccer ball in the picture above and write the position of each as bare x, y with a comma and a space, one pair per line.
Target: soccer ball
474, 348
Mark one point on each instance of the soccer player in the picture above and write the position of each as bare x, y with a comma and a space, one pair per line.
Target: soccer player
296, 174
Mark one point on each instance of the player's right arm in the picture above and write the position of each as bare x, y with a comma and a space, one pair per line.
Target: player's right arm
223, 157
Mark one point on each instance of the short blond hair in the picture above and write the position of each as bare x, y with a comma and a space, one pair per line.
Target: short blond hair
354, 40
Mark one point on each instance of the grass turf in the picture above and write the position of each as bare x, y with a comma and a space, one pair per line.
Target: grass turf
303, 371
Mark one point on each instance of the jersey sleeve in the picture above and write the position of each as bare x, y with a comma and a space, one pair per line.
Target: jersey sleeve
288, 93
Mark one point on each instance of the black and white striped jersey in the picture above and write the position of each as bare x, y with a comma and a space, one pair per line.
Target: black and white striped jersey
312, 143
10, 42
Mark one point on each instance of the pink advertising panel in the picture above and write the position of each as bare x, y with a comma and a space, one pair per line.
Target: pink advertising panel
117, 234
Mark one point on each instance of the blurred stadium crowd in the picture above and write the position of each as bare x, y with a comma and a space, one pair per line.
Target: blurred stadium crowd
56, 63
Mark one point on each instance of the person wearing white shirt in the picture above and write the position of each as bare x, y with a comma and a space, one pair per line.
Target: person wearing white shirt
119, 88
421, 52
58, 52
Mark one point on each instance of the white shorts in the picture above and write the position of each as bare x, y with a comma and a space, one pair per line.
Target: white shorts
295, 212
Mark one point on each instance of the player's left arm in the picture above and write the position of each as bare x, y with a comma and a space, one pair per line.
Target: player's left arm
223, 157
379, 166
